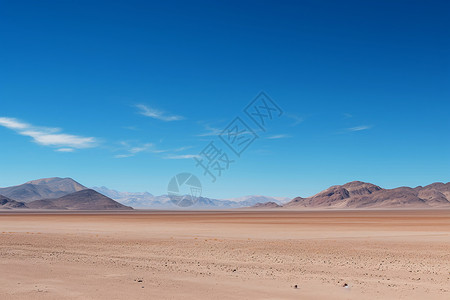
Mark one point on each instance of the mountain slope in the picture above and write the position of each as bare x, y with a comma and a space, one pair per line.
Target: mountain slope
359, 194
336, 196
6, 203
47, 188
266, 205
81, 200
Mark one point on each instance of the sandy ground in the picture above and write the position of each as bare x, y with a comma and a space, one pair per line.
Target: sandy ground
226, 255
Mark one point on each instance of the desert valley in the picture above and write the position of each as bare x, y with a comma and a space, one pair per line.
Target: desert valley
198, 150
61, 240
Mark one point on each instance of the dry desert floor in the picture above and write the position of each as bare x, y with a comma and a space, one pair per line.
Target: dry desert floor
225, 255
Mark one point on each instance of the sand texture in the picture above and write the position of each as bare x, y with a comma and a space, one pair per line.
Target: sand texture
388, 254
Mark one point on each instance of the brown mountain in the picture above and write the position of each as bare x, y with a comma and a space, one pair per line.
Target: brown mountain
47, 188
269, 204
6, 203
82, 200
359, 194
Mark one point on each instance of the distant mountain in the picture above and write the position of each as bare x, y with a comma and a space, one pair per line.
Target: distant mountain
359, 194
147, 200
6, 203
336, 196
266, 205
47, 188
81, 200
138, 200
255, 199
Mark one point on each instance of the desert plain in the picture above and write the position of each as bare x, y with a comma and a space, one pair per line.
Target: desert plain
240, 254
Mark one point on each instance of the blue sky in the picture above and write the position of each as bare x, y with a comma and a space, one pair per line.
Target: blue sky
125, 93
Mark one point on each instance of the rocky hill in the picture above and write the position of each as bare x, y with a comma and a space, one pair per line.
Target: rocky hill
47, 188
359, 194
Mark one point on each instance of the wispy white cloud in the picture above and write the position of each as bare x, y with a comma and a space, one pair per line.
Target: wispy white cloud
123, 155
210, 131
131, 151
65, 150
14, 124
145, 147
156, 114
182, 148
278, 136
47, 136
359, 128
185, 156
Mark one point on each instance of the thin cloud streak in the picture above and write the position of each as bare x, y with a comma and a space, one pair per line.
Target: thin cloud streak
359, 128
157, 114
182, 148
185, 156
278, 136
47, 136
210, 131
123, 155
13, 124
65, 150
131, 150
134, 150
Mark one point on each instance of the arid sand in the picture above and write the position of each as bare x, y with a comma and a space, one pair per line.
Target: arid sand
225, 255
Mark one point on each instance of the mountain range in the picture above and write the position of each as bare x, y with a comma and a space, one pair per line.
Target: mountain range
357, 195
147, 200
66, 193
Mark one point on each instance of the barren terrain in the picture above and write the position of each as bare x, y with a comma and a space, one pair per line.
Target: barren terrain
388, 254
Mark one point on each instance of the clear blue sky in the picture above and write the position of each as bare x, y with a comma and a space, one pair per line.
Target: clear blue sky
124, 93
